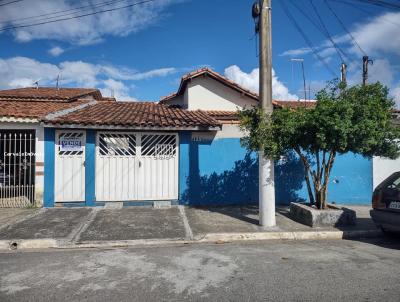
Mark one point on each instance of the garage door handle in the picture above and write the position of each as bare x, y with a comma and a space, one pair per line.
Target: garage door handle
140, 163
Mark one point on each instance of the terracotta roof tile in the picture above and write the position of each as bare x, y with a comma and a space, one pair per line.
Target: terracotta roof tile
136, 114
48, 93
36, 110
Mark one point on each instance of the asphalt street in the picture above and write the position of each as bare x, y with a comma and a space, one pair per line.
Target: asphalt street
252, 271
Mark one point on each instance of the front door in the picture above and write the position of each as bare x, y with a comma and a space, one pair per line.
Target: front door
70, 166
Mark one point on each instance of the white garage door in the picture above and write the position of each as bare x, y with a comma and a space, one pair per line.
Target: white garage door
70, 166
136, 166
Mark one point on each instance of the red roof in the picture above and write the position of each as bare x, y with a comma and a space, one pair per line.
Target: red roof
34, 110
49, 93
136, 114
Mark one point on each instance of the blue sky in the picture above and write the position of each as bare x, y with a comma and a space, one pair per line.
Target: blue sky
141, 52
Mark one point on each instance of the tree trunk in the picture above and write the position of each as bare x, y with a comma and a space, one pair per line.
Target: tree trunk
320, 178
309, 190
327, 172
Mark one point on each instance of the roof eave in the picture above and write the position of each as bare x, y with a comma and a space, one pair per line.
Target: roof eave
14, 119
122, 127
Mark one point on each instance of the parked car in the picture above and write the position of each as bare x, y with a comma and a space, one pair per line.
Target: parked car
386, 204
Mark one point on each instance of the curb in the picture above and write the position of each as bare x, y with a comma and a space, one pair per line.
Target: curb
26, 244
22, 244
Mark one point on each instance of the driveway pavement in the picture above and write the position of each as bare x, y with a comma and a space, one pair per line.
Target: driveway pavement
82, 225
324, 270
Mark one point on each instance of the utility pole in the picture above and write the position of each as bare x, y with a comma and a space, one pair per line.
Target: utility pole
366, 61
343, 71
262, 10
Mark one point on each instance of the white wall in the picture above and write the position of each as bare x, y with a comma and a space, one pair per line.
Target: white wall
206, 93
39, 133
382, 168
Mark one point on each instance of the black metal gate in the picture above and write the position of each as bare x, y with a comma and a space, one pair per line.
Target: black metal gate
17, 168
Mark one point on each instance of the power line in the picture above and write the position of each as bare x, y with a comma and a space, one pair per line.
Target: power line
381, 3
10, 2
338, 50
345, 28
365, 11
320, 28
55, 13
306, 39
76, 17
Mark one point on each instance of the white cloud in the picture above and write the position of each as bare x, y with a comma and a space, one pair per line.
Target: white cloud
251, 82
116, 89
56, 51
380, 35
296, 52
23, 72
376, 36
85, 30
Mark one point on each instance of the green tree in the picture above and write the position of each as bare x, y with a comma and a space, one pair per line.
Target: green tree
354, 119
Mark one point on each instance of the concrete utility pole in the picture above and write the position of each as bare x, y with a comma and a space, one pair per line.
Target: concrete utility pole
366, 61
266, 166
343, 71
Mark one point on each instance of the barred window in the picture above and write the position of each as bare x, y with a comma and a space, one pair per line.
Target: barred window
117, 144
159, 145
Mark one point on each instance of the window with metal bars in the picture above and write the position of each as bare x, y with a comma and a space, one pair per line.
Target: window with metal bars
158, 145
117, 144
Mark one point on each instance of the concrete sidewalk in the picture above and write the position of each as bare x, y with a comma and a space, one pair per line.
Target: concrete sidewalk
96, 227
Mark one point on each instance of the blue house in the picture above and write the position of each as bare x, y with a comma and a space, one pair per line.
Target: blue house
185, 149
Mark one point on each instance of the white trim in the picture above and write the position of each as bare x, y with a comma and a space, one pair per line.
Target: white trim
18, 119
132, 128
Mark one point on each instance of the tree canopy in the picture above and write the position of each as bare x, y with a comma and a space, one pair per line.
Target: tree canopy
356, 119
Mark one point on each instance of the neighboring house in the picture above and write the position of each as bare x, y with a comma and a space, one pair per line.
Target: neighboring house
185, 149
22, 137
384, 167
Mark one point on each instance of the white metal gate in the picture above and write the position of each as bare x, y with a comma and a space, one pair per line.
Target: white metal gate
17, 168
70, 166
136, 166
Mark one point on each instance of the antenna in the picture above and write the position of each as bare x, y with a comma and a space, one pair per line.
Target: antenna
304, 77
36, 83
58, 78
112, 92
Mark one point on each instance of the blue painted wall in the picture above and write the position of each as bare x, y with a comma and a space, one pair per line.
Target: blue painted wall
49, 161
222, 172
90, 168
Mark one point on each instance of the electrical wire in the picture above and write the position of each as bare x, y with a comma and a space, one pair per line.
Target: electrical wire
305, 37
345, 28
338, 50
60, 12
10, 2
76, 17
380, 3
365, 11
